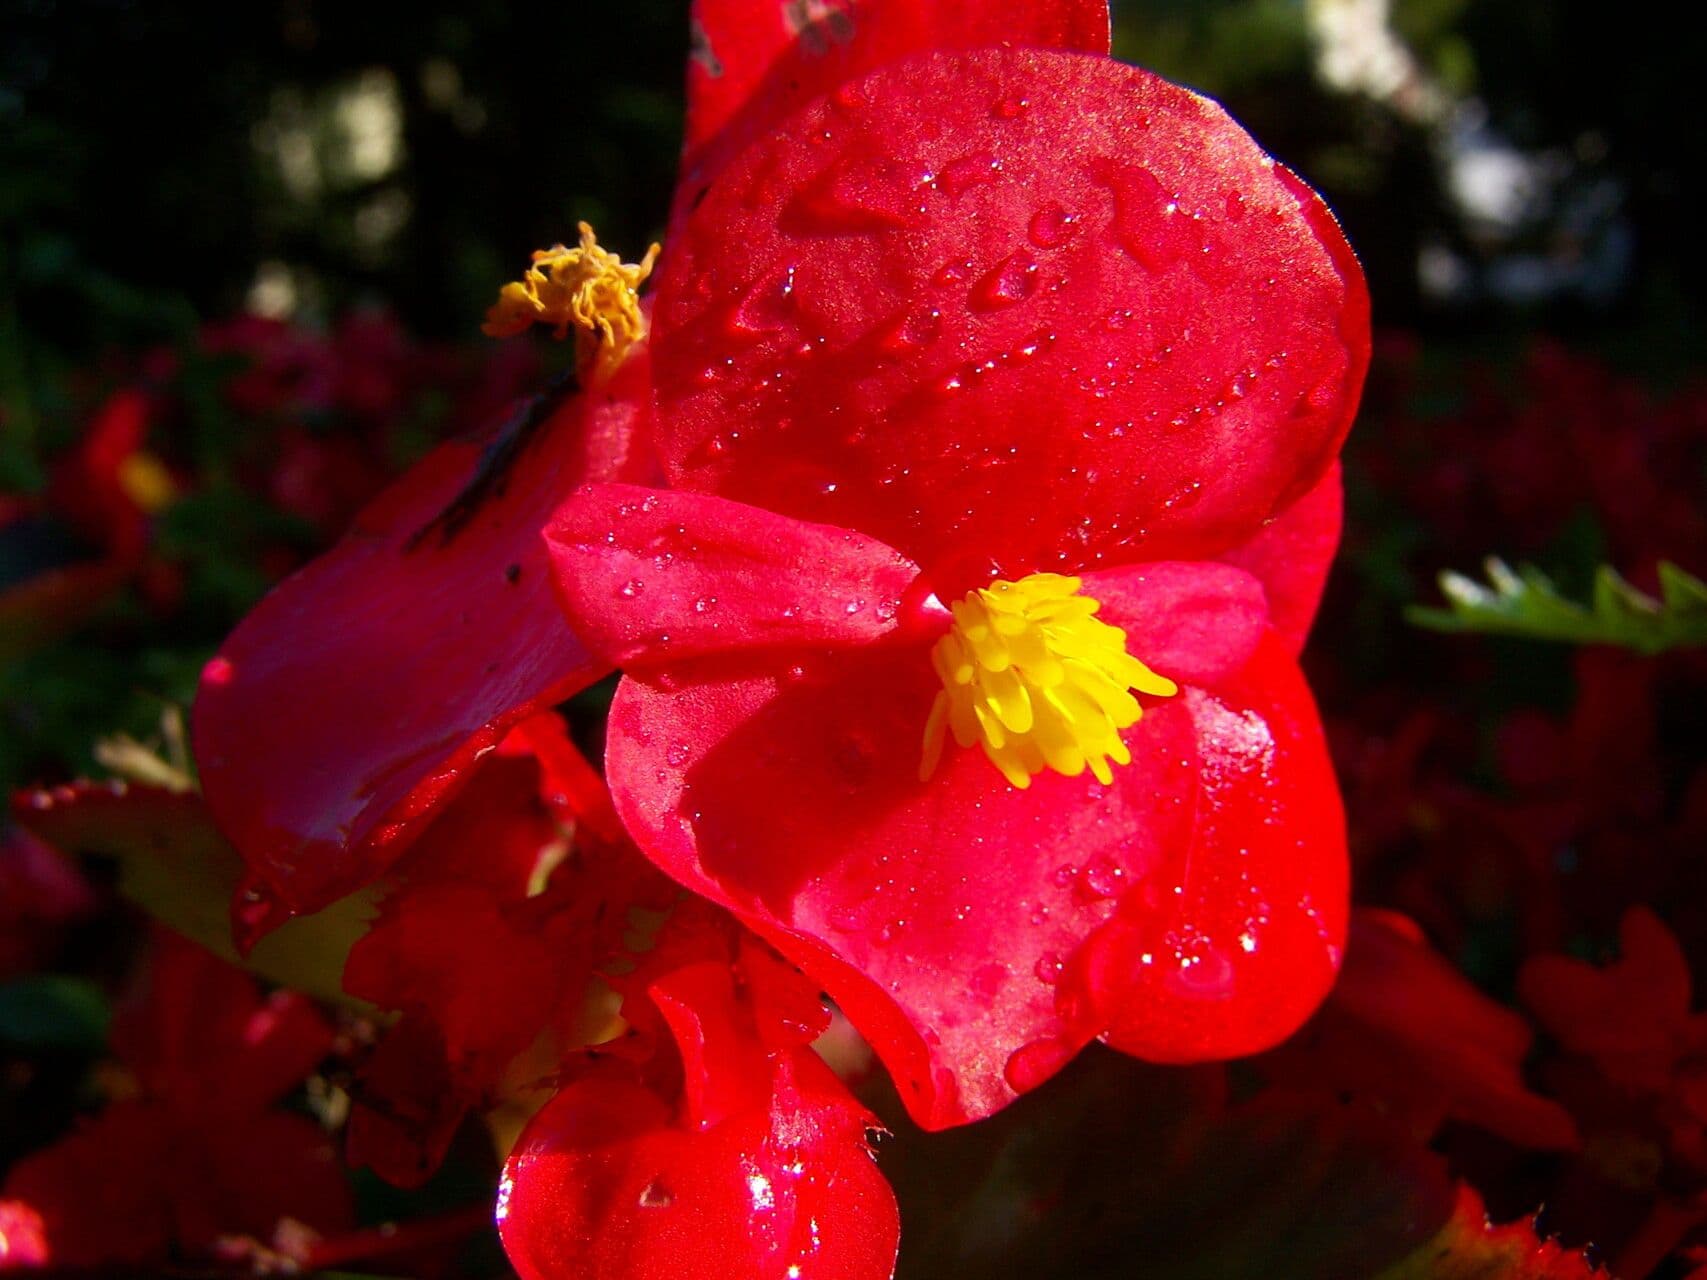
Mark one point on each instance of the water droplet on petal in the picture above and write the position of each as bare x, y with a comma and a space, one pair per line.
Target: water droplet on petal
1012, 280
960, 176
1049, 226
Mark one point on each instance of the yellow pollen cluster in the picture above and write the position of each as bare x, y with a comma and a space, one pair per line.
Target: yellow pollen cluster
586, 288
1040, 683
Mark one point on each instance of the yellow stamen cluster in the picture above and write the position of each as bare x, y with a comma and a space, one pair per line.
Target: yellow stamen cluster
587, 289
1031, 676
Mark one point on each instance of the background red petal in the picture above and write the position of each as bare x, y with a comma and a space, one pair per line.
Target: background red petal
348, 704
756, 62
971, 279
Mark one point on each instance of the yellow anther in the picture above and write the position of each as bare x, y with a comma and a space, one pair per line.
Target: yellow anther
587, 289
146, 482
1029, 674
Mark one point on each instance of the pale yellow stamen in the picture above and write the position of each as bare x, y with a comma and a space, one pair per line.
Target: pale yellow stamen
146, 482
1029, 674
586, 289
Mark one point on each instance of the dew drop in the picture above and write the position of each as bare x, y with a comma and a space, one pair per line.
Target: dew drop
910, 331
951, 273
960, 176
1101, 878
1049, 226
631, 588
1012, 280
1029, 1066
655, 1195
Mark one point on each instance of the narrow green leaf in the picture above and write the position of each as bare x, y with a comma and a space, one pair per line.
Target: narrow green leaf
1524, 602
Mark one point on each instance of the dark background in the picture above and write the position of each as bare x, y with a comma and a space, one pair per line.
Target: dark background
156, 155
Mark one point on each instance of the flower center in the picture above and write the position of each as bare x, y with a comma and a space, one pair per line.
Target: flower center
1029, 674
587, 288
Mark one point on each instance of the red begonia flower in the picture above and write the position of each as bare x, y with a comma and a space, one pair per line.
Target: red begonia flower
347, 706
201, 1152
732, 1151
1003, 312
382, 670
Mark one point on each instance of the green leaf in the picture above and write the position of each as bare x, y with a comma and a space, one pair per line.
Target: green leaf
174, 864
53, 1011
1525, 603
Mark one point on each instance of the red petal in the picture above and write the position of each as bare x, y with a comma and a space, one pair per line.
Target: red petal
647, 573
602, 1186
1291, 557
755, 64
972, 280
1196, 623
406, 1105
940, 915
23, 1237
104, 1194
261, 1171
1406, 1028
487, 981
1629, 1015
348, 704
1241, 948
204, 1038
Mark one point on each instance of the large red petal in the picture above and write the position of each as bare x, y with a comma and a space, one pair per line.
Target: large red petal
604, 1186
1242, 947
349, 703
649, 573
756, 62
942, 915
1011, 306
